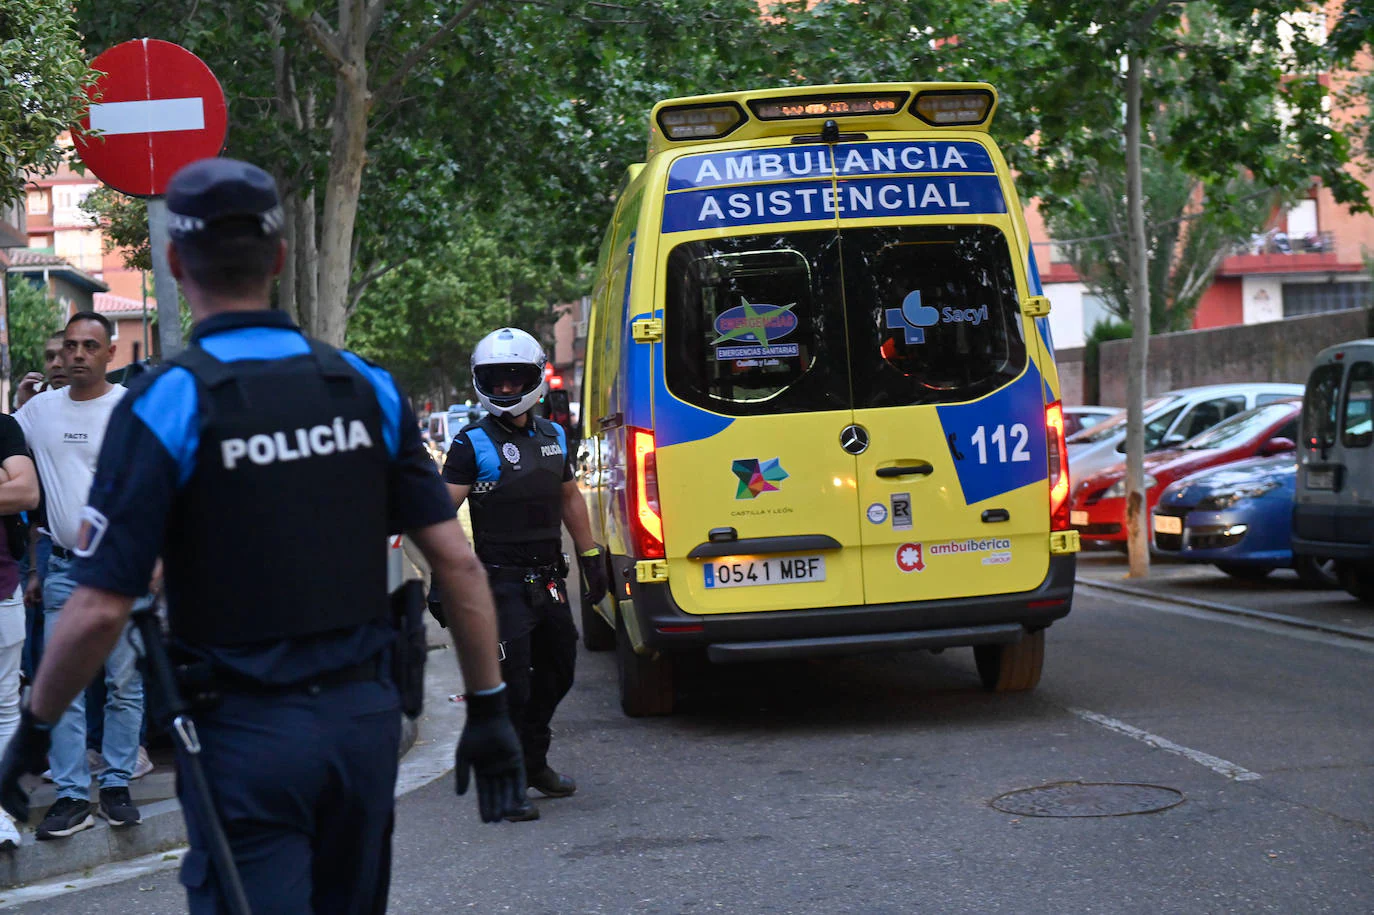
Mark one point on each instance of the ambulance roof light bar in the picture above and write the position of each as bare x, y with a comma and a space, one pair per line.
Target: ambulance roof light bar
787, 111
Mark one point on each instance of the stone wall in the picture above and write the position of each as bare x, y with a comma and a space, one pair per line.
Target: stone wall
1071, 377
1272, 351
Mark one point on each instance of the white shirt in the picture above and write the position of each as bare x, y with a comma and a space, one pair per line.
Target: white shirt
65, 437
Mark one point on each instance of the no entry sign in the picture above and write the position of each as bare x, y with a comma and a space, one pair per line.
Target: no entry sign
156, 108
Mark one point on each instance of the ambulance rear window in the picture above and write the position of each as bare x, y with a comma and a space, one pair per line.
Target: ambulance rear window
934, 314
754, 324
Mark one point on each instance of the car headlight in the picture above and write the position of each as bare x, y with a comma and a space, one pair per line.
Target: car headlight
1118, 489
1223, 500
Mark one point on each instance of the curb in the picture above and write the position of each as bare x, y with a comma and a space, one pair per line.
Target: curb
1231, 609
162, 829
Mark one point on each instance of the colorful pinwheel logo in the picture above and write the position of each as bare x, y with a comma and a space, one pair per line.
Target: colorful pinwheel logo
757, 476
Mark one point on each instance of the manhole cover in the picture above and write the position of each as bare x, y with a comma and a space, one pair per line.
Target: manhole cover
1088, 799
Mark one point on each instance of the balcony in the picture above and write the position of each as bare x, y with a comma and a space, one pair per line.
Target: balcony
1274, 252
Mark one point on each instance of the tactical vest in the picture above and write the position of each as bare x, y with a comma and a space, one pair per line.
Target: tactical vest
279, 530
518, 496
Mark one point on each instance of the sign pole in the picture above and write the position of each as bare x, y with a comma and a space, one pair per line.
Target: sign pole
164, 284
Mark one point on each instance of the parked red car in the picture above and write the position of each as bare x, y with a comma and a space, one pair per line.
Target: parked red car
1097, 509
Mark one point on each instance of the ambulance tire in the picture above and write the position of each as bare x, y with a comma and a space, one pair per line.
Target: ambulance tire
646, 683
1011, 668
597, 634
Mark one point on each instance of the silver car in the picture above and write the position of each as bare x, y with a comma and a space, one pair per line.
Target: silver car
1170, 419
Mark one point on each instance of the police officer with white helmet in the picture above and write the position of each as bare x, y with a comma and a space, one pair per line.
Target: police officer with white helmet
514, 470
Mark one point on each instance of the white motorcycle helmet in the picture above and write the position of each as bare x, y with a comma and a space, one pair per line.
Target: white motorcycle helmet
509, 354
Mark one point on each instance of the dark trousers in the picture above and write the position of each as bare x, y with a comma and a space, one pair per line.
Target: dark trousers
304, 786
540, 640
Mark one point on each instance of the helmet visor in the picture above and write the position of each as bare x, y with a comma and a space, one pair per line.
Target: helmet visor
507, 381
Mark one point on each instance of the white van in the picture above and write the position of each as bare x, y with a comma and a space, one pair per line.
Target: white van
1171, 419
1333, 510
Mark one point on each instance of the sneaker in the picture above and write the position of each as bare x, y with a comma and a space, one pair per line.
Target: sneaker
9, 834
66, 816
144, 764
118, 808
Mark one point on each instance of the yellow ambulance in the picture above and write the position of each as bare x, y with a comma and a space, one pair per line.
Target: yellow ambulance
820, 403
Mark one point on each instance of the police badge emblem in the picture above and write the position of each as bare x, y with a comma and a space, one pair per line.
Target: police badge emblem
510, 453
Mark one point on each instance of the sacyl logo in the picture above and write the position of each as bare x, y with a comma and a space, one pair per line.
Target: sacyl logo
317, 440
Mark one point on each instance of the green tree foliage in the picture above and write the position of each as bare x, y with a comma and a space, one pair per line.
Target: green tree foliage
422, 320
33, 319
42, 74
123, 225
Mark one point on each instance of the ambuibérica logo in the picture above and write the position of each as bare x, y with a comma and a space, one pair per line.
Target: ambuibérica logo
911, 557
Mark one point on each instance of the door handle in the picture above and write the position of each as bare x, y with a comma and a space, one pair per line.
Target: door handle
994, 515
923, 469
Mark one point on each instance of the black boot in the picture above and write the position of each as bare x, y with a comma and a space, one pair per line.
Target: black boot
524, 813
550, 784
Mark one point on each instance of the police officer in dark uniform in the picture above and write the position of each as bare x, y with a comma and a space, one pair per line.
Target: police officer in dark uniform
515, 472
266, 469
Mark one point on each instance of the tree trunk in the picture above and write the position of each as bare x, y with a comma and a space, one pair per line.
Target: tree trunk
286, 283
307, 257
1137, 523
347, 154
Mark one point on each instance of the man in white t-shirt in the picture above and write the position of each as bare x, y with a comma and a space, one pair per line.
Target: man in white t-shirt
64, 429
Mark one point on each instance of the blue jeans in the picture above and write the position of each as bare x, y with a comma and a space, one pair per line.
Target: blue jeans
123, 705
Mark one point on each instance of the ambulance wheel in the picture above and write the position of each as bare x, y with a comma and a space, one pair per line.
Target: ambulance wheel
597, 634
646, 683
1011, 668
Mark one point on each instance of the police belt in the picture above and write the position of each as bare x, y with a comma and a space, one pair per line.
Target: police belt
201, 678
523, 573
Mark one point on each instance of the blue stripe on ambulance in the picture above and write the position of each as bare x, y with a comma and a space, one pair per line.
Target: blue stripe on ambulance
1042, 325
753, 166
676, 422
995, 463
865, 198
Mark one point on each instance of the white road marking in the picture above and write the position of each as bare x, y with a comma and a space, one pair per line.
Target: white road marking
1215, 763
152, 116
104, 875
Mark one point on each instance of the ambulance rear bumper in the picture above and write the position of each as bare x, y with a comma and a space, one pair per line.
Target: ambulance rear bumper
837, 631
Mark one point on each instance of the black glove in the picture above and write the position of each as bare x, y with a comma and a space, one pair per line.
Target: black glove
27, 753
489, 747
593, 568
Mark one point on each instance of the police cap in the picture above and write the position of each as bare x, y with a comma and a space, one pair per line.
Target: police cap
212, 190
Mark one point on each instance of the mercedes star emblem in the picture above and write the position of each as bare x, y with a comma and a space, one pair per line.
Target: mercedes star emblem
854, 439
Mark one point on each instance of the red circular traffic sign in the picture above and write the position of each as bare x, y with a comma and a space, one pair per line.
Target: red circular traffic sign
156, 108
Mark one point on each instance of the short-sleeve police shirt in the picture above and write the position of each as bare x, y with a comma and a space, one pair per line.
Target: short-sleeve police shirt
461, 468
149, 453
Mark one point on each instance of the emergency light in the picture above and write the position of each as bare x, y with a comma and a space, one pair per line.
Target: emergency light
952, 107
844, 105
700, 122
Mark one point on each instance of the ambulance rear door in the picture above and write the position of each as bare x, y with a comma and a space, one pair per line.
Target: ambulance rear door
948, 400
759, 501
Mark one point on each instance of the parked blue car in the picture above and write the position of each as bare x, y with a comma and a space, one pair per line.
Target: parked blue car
1239, 517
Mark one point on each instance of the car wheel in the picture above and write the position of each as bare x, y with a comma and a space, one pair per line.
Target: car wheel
1358, 580
646, 683
1316, 573
1011, 668
1244, 572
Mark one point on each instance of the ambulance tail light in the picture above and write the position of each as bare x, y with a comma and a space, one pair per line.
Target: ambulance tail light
1059, 467
646, 520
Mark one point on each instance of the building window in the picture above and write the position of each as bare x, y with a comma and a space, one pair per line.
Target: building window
1313, 298
38, 202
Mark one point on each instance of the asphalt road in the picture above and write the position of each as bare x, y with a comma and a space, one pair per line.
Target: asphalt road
865, 785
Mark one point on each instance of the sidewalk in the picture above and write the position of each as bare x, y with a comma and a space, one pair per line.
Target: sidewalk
1280, 597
